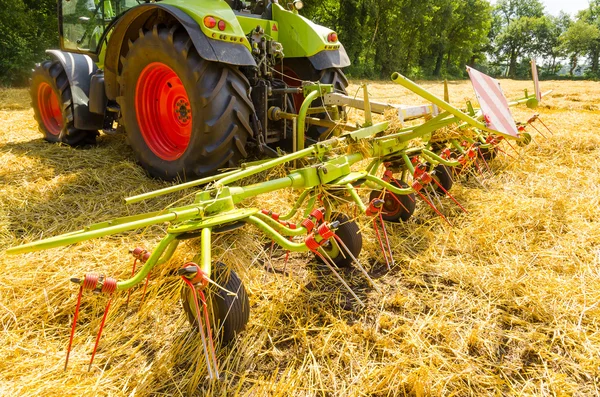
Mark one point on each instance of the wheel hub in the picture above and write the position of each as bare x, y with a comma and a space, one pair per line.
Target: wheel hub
389, 202
183, 111
391, 206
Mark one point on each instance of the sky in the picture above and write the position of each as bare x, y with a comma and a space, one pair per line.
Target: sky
570, 6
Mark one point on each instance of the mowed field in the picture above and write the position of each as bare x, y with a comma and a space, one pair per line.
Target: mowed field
506, 302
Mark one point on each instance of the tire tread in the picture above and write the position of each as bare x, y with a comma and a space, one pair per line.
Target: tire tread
53, 73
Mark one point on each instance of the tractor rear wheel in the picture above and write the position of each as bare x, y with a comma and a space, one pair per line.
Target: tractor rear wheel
52, 104
340, 82
229, 313
185, 117
299, 69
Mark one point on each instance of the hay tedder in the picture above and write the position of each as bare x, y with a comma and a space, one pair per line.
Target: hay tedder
198, 86
412, 153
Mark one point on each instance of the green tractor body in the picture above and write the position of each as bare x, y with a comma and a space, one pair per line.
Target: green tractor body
190, 82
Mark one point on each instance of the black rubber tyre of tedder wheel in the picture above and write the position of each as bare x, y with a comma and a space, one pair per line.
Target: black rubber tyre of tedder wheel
349, 232
229, 313
444, 177
396, 207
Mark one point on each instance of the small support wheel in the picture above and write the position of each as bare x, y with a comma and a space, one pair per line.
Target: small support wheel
229, 313
396, 207
349, 233
488, 154
444, 177
525, 139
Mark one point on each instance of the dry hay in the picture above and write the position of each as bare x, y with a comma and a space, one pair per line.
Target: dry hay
503, 303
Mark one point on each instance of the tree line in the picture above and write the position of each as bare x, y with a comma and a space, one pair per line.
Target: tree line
418, 38
437, 38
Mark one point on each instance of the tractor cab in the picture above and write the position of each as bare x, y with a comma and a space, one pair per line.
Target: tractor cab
262, 7
82, 22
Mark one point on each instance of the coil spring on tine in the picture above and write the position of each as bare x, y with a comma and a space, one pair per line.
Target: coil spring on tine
140, 254
308, 224
317, 214
373, 209
325, 231
110, 285
90, 281
311, 243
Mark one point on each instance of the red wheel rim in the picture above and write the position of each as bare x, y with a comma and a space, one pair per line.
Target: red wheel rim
391, 205
164, 112
49, 107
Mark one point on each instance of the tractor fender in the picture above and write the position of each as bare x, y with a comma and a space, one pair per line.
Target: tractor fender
79, 69
302, 38
128, 26
330, 59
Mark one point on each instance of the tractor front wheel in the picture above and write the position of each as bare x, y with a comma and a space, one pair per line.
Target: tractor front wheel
185, 117
52, 104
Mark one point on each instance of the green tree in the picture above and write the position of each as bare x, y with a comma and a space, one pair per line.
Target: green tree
467, 34
549, 46
27, 29
401, 34
415, 37
521, 22
578, 40
591, 15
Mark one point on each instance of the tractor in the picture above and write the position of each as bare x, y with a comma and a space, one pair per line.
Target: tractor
190, 83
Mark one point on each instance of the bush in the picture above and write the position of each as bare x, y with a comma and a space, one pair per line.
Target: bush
27, 29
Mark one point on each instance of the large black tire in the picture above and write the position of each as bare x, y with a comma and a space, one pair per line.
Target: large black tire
229, 313
52, 104
396, 207
349, 233
340, 82
302, 68
217, 103
333, 76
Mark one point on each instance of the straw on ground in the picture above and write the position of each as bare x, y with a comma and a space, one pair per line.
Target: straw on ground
503, 303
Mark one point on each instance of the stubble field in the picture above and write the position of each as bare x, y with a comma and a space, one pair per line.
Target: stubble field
505, 302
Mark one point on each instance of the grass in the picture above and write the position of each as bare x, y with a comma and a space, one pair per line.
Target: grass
503, 303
